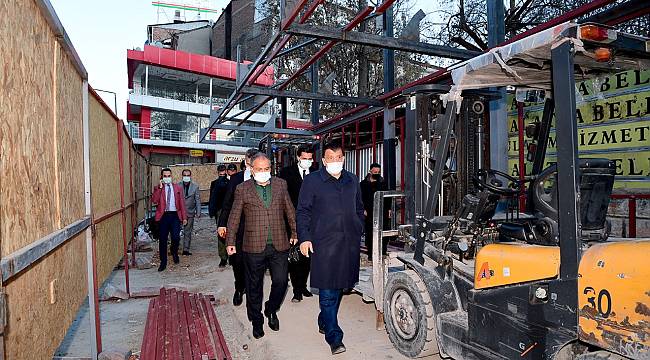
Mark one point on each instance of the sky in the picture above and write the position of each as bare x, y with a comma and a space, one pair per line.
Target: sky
102, 31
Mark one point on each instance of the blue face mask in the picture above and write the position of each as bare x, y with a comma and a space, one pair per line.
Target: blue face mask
186, 179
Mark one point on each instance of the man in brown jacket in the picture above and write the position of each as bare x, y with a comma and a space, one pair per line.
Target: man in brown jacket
264, 202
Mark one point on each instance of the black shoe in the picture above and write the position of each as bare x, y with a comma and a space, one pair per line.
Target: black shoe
186, 253
176, 259
307, 293
237, 299
337, 349
258, 331
223, 263
321, 330
296, 298
162, 267
274, 322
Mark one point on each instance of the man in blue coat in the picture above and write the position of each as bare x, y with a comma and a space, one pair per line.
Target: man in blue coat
330, 222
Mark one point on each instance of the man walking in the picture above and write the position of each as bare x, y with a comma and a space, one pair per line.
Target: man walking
294, 175
217, 193
266, 205
236, 260
369, 186
330, 223
170, 213
192, 199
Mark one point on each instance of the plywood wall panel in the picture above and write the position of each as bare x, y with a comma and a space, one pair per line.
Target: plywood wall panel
104, 165
109, 246
69, 141
28, 197
35, 326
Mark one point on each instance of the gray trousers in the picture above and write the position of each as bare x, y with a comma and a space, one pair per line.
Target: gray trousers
187, 233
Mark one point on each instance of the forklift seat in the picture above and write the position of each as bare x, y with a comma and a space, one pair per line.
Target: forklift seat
596, 183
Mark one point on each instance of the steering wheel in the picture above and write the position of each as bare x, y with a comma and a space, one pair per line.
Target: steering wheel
489, 179
544, 201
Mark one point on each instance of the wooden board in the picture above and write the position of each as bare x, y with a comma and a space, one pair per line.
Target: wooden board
202, 174
108, 237
104, 166
37, 327
28, 197
69, 141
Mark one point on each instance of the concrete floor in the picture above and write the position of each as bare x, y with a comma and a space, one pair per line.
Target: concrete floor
122, 322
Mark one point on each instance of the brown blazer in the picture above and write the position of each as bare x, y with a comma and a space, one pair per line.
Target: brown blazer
258, 218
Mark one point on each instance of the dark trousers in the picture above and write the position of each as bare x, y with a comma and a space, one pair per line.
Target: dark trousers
169, 224
256, 264
237, 260
329, 301
299, 272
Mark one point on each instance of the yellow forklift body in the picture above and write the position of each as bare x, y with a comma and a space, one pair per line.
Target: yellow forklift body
505, 264
614, 297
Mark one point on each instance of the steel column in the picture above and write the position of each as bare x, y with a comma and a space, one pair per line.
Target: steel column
315, 104
568, 170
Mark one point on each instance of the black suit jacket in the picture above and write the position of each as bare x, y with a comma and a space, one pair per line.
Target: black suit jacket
218, 190
228, 200
291, 175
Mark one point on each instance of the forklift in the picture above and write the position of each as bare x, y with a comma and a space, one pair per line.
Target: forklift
545, 283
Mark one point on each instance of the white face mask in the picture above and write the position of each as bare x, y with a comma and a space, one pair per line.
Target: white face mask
305, 164
262, 177
334, 168
186, 179
167, 180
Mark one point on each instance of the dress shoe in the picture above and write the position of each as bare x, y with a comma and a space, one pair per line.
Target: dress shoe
274, 322
223, 263
337, 349
307, 293
186, 253
176, 259
237, 298
321, 330
258, 331
296, 298
162, 267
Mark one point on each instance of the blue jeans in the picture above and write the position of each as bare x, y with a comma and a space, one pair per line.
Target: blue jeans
329, 301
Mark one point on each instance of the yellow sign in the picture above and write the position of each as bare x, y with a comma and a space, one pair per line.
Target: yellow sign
613, 115
196, 153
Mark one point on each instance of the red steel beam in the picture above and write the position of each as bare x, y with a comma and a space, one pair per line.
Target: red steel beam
384, 6
288, 21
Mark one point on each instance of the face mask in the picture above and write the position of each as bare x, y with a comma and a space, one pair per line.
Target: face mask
167, 180
305, 164
376, 176
334, 168
262, 177
186, 179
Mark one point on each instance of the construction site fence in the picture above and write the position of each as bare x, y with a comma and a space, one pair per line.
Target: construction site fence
72, 191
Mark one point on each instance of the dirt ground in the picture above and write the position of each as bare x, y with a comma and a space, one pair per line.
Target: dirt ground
122, 322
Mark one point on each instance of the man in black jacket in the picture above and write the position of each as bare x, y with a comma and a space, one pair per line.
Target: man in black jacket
236, 259
369, 186
217, 193
293, 175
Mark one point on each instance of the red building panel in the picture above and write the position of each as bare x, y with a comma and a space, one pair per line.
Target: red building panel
196, 63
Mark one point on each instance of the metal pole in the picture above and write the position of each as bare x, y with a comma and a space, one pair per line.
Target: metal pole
146, 79
498, 114
315, 105
91, 259
210, 102
568, 170
114, 97
283, 112
390, 142
238, 79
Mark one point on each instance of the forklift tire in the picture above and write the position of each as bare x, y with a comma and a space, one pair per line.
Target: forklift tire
408, 315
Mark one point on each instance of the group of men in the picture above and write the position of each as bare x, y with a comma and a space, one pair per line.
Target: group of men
260, 216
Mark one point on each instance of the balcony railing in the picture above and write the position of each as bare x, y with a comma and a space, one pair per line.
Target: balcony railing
138, 132
180, 96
